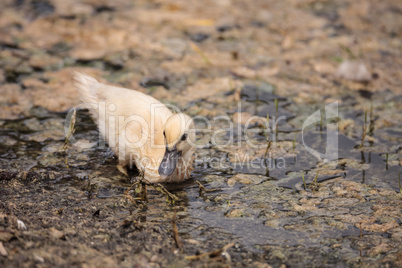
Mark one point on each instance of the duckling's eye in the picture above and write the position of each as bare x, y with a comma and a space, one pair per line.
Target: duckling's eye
184, 137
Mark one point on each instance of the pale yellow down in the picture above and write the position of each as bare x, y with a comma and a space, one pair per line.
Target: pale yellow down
133, 124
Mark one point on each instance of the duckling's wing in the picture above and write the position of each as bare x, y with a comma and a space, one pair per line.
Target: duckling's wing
121, 101
91, 91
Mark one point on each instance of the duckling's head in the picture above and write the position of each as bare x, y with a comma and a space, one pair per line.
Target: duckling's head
179, 137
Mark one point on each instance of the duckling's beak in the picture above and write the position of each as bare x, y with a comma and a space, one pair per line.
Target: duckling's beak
169, 162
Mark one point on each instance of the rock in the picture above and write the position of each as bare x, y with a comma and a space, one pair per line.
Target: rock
396, 234
261, 265
7, 141
343, 124
3, 251
206, 88
323, 67
231, 182
304, 208
72, 8
235, 213
244, 72
354, 71
382, 248
38, 258
32, 124
56, 233
13, 101
242, 117
244, 179
272, 223
6, 236
59, 94
95, 42
174, 47
378, 228
30, 82
21, 225
45, 61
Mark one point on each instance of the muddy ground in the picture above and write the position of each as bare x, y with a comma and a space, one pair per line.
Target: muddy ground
244, 205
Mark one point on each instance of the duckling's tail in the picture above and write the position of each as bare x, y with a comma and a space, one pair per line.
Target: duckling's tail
87, 87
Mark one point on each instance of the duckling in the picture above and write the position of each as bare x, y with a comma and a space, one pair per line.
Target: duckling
142, 132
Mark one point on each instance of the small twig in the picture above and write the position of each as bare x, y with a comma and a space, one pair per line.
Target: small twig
144, 195
304, 181
201, 187
276, 120
90, 188
176, 237
316, 177
364, 129
314, 184
71, 130
211, 254
386, 161
132, 199
268, 146
349, 52
128, 196
199, 52
371, 127
322, 119
141, 184
129, 188
144, 192
266, 150
159, 187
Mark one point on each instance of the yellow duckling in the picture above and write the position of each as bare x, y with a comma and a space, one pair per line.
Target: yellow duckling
140, 130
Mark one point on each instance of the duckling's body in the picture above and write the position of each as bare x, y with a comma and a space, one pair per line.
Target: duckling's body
140, 130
